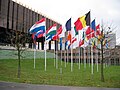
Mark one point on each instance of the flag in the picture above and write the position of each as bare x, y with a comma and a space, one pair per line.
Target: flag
69, 37
98, 27
51, 32
68, 25
40, 25
66, 44
72, 41
40, 33
81, 42
91, 35
82, 21
107, 45
76, 32
74, 38
93, 26
98, 32
59, 31
89, 31
60, 43
62, 33
34, 39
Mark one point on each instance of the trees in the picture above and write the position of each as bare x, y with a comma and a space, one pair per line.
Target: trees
105, 31
18, 41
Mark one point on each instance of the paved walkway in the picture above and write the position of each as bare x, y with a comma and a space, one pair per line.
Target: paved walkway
21, 86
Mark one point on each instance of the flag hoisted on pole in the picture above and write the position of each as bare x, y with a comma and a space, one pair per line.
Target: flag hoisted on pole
68, 29
56, 37
97, 34
45, 48
92, 28
39, 26
50, 33
60, 42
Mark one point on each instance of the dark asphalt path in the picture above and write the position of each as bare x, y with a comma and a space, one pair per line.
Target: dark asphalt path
21, 86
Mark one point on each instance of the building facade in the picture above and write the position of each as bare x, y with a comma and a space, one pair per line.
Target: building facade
16, 17
112, 56
82, 54
85, 55
111, 38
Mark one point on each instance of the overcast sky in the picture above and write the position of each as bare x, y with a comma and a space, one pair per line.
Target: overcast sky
107, 11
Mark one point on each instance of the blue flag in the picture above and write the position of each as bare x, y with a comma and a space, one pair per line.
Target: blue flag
93, 26
60, 43
68, 25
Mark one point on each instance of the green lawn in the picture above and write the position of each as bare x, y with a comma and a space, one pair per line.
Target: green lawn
12, 54
82, 77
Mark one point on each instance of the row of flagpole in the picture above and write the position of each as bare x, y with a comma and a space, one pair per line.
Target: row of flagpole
56, 57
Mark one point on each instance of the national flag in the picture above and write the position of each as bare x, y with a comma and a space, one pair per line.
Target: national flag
93, 26
69, 37
98, 32
62, 33
91, 35
94, 43
89, 31
72, 41
68, 25
40, 25
34, 39
107, 45
51, 32
82, 21
76, 32
60, 43
59, 31
39, 34
66, 44
81, 42
98, 27
74, 38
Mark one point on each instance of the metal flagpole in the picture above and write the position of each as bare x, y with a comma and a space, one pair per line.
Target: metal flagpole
54, 57
56, 52
34, 55
61, 56
79, 50
71, 58
97, 58
45, 49
91, 59
84, 58
65, 58
79, 57
89, 55
67, 55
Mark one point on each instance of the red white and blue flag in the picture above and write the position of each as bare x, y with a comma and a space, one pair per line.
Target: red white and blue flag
40, 33
38, 26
